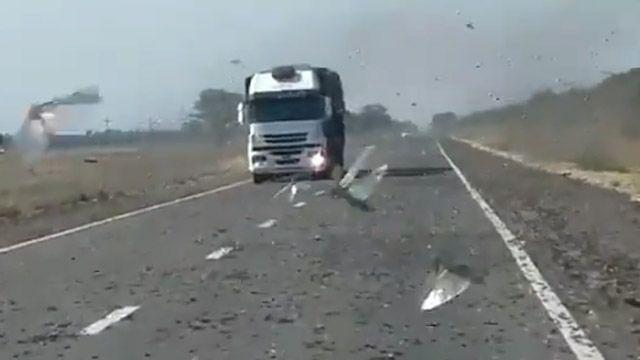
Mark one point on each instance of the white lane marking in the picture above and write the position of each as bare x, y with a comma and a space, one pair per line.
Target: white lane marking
112, 318
299, 204
120, 217
268, 224
576, 338
220, 253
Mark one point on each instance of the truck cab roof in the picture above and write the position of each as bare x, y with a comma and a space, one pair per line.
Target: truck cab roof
284, 79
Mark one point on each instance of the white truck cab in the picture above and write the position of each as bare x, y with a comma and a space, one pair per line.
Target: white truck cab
295, 123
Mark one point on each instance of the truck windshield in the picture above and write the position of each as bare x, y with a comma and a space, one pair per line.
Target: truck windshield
287, 109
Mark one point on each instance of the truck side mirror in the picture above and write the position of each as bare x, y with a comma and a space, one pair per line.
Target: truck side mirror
241, 113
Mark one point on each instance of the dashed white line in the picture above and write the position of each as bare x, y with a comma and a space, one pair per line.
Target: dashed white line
582, 347
220, 253
268, 224
112, 318
120, 217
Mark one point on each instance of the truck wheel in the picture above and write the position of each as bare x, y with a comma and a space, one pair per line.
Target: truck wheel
334, 172
324, 175
260, 178
335, 151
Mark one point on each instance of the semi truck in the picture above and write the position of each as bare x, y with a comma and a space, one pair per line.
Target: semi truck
443, 123
296, 121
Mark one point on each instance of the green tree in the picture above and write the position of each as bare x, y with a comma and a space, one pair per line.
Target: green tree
370, 117
217, 109
376, 116
193, 127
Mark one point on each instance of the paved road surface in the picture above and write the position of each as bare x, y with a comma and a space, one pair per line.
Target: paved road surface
328, 281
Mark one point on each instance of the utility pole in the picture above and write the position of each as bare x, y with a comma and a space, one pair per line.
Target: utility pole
107, 122
151, 123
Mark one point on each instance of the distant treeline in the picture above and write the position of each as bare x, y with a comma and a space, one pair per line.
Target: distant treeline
214, 118
215, 113
374, 117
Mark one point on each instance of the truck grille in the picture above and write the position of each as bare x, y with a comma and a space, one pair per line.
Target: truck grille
286, 152
287, 161
287, 149
285, 138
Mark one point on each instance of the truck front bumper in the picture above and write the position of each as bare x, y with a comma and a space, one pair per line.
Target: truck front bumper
310, 160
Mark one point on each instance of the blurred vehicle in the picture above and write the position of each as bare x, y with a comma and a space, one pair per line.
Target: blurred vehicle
443, 123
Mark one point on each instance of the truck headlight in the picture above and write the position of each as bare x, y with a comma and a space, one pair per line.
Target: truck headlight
317, 160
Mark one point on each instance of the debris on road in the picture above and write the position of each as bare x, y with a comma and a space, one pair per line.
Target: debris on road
268, 224
296, 188
358, 165
54, 333
446, 286
90, 160
299, 204
357, 191
293, 193
220, 253
470, 26
362, 189
319, 193
283, 189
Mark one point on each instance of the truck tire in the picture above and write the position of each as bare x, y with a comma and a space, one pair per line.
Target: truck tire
339, 152
333, 172
335, 151
324, 174
260, 178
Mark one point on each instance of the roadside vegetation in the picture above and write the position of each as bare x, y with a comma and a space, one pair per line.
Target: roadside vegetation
596, 128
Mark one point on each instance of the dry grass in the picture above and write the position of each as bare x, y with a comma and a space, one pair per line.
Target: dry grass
597, 128
593, 130
626, 181
62, 178
596, 159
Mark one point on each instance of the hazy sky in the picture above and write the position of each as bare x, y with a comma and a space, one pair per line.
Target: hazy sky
151, 58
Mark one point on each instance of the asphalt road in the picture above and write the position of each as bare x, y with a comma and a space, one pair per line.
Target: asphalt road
327, 281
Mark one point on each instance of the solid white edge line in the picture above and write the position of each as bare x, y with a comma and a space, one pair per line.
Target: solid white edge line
111, 318
582, 347
120, 217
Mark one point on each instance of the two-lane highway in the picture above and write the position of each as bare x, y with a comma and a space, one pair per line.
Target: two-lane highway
326, 281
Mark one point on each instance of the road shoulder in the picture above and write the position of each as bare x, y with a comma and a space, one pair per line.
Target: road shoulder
57, 220
583, 239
